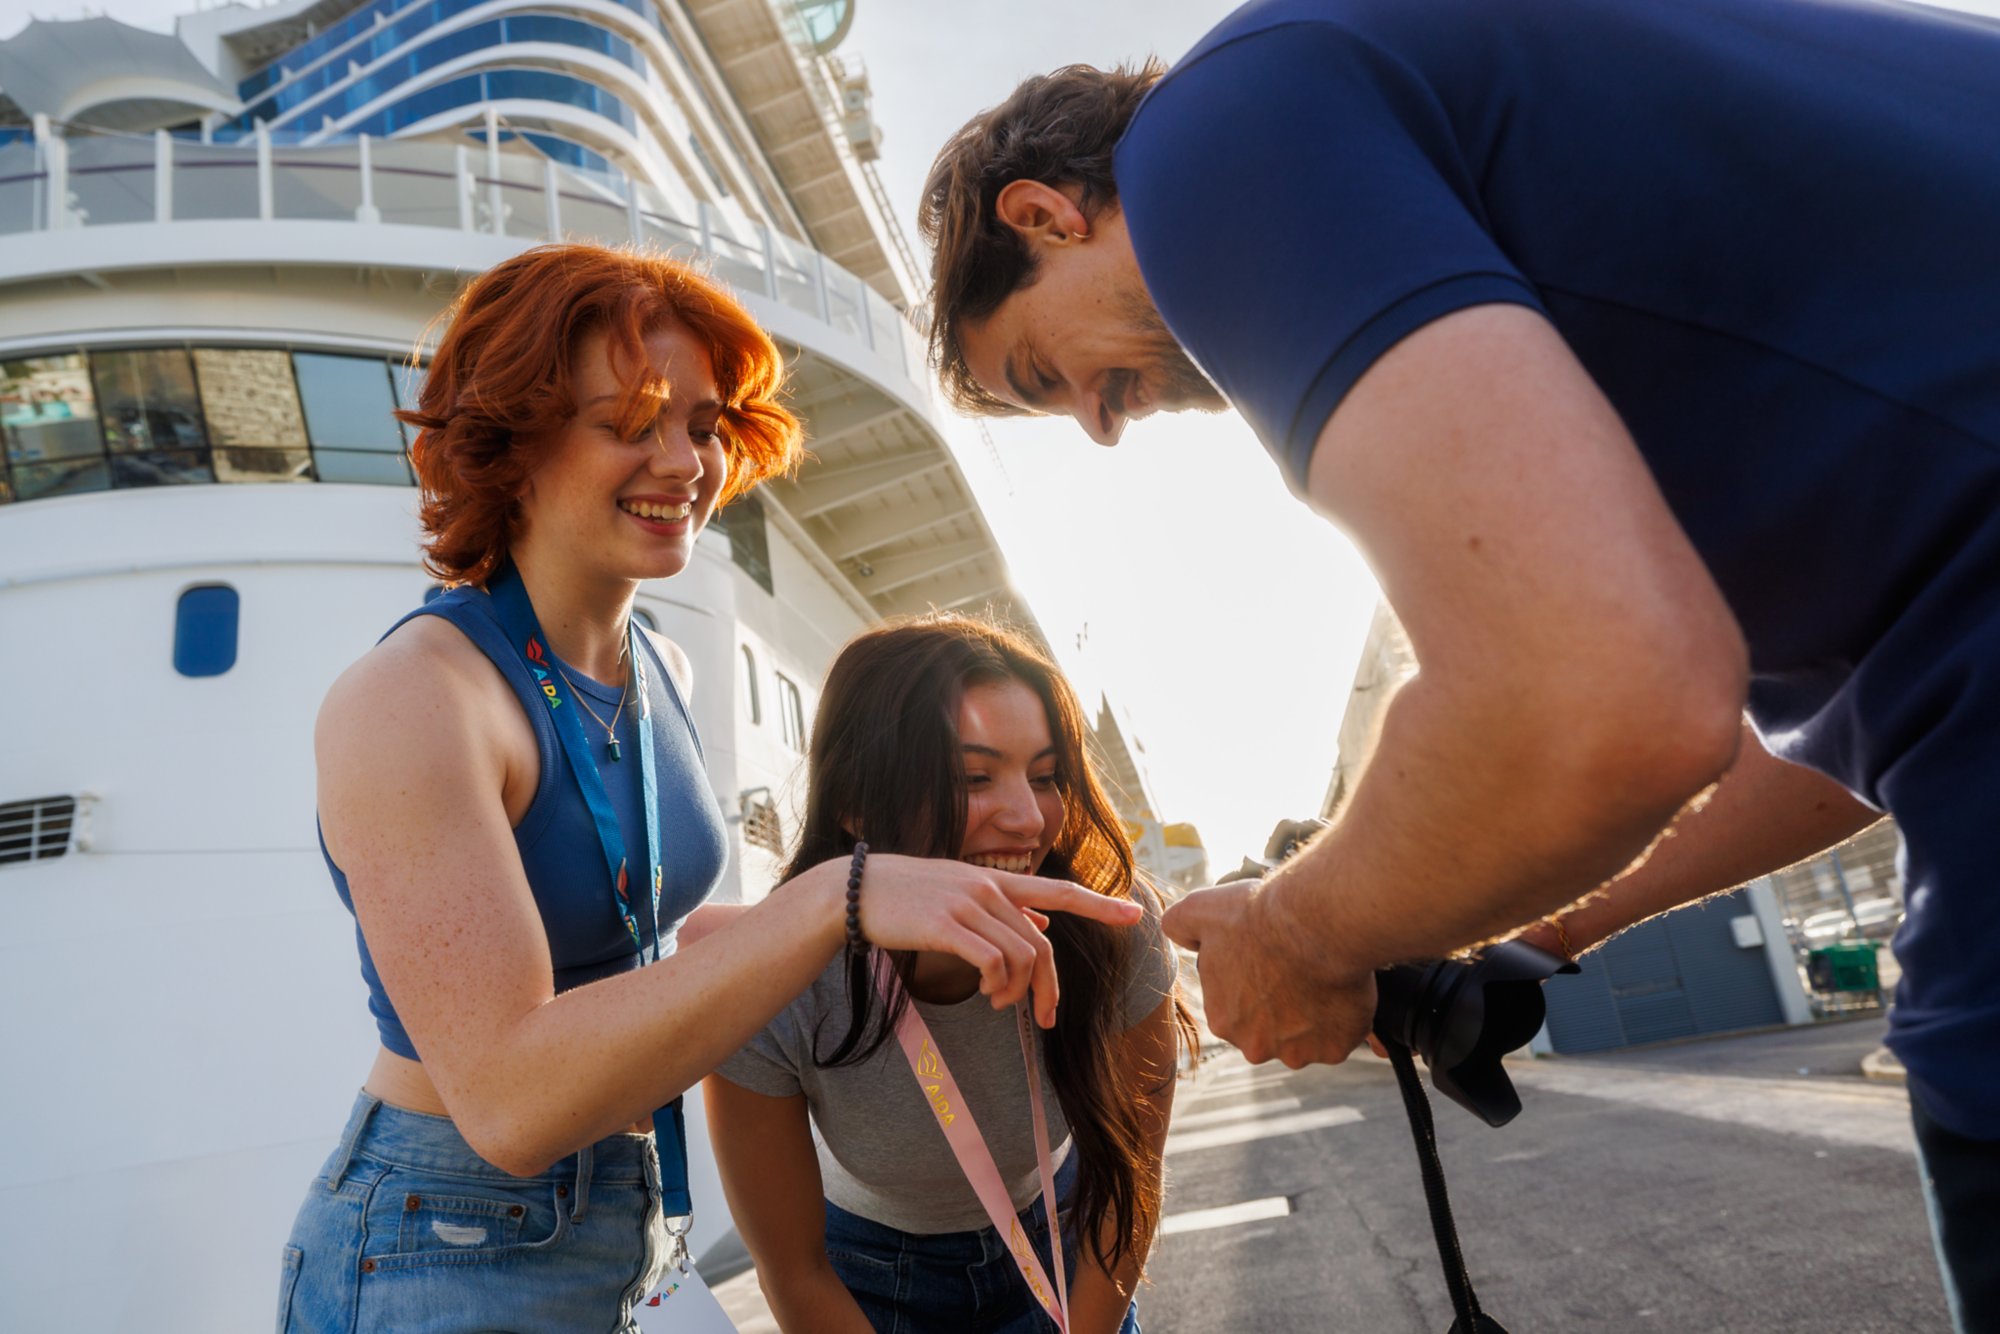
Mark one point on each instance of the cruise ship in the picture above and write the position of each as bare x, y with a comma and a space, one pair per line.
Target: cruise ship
220, 250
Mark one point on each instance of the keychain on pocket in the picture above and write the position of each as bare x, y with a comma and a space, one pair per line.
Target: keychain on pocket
677, 1230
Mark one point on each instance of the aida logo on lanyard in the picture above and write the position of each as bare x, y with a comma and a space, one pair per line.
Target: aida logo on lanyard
969, 1147
517, 617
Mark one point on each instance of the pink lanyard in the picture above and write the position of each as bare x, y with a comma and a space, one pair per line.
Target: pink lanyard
969, 1147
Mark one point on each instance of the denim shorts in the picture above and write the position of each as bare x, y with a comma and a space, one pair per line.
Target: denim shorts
949, 1282
407, 1229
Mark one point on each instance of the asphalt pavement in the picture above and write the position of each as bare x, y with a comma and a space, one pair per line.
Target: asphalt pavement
1754, 1183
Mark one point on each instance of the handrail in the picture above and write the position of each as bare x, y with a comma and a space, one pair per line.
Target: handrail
505, 193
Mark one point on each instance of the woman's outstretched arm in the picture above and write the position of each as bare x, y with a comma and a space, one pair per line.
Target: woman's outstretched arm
412, 768
1146, 1054
770, 1173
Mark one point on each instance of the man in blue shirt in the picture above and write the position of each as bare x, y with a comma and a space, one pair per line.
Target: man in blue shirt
1651, 353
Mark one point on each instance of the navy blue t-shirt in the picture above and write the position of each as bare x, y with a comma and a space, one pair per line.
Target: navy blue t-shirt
1770, 230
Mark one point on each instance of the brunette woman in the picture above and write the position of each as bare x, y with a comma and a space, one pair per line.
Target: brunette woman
947, 737
512, 803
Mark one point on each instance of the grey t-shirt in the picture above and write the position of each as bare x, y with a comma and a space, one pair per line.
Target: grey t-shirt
881, 1152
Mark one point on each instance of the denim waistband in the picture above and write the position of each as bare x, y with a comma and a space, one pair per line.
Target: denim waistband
389, 1134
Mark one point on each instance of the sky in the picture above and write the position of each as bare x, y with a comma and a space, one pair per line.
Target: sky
1224, 616
1175, 573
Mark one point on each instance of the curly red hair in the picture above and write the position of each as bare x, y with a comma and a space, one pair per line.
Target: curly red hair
500, 385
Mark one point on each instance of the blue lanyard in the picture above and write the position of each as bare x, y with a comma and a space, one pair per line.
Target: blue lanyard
517, 617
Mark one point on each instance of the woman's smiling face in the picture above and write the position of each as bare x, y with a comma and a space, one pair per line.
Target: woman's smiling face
1013, 805
638, 500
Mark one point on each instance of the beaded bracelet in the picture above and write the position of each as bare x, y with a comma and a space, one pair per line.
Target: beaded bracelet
856, 942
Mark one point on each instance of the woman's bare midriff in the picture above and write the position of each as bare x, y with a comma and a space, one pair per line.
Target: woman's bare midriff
398, 1080
404, 1083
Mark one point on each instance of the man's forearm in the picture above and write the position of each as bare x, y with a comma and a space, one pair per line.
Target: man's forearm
1764, 815
1448, 841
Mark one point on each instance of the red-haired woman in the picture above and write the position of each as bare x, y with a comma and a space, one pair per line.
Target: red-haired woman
947, 737
512, 803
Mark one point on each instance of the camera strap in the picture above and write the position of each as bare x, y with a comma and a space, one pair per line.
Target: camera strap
1464, 1302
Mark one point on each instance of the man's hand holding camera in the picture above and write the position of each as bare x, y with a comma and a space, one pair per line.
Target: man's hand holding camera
1268, 984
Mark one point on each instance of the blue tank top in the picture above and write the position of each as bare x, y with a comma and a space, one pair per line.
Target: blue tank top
556, 838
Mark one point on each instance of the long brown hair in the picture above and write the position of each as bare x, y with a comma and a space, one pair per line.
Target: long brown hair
500, 384
885, 760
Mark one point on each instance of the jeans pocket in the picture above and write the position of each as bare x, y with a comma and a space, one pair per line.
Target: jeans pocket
867, 1274
465, 1222
288, 1282
432, 1222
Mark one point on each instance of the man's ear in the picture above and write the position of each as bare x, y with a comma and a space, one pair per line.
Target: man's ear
1040, 212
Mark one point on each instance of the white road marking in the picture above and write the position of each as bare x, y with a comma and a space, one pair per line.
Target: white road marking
1873, 1115
1241, 1112
1228, 1215
1245, 1080
1242, 1132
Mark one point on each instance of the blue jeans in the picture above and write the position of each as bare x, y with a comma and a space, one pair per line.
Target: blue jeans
406, 1229
1962, 1196
949, 1282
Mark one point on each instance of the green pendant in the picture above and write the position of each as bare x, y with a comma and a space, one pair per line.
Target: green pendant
615, 756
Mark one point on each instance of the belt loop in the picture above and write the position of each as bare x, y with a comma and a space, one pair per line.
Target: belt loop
585, 1158
357, 1122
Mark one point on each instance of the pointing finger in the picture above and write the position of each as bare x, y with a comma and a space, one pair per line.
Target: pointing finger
1028, 891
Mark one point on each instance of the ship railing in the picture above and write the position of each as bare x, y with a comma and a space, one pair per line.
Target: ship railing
56, 182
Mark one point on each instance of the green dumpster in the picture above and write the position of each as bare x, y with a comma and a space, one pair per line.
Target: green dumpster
1848, 966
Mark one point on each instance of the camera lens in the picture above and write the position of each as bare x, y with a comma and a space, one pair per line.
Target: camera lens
1463, 1015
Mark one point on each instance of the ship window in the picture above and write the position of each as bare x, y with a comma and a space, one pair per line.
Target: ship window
48, 418
205, 630
253, 415
262, 465
32, 831
38, 481
749, 544
763, 827
146, 401
355, 465
751, 704
161, 467
708, 165
645, 618
791, 712
408, 382
347, 403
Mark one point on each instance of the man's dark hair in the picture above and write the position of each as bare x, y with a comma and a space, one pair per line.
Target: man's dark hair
1057, 128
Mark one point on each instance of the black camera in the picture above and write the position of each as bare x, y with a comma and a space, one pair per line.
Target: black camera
1463, 1015
1460, 1015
